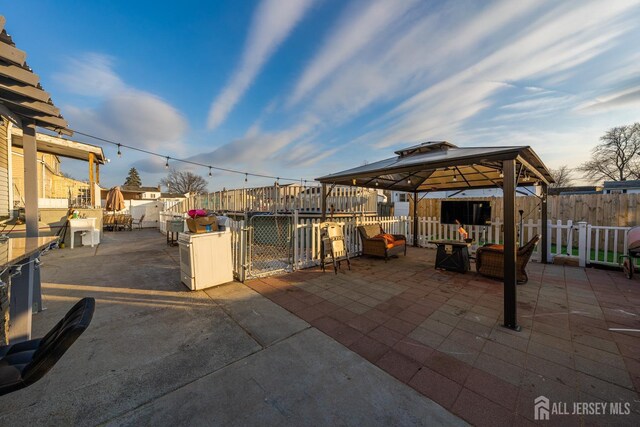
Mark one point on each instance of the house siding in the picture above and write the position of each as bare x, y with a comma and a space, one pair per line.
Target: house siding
4, 168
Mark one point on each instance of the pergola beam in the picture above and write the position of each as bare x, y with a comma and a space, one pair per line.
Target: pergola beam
12, 54
24, 90
19, 74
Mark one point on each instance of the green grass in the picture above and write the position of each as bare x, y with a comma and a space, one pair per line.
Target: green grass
601, 255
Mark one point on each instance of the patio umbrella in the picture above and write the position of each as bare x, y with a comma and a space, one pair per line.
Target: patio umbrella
115, 200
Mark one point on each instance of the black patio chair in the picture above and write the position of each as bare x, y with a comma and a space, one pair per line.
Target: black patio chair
24, 363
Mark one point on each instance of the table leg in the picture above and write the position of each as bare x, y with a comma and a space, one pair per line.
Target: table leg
21, 305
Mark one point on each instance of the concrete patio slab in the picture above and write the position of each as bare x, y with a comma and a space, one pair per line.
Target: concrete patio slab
302, 380
212, 356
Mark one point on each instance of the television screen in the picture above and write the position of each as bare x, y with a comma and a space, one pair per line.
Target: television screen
472, 212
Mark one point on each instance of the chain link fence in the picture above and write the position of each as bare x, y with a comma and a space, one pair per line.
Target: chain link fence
270, 245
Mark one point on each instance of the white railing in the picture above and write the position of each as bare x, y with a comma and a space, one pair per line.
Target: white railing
605, 245
289, 198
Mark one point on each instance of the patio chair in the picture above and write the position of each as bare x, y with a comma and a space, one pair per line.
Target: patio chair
375, 242
334, 248
124, 222
490, 260
138, 222
24, 363
109, 222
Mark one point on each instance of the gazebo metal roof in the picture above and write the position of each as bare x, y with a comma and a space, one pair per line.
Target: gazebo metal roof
440, 165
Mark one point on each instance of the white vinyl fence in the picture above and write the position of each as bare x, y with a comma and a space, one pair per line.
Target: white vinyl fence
591, 244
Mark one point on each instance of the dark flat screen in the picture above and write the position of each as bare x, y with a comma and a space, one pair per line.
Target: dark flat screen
472, 212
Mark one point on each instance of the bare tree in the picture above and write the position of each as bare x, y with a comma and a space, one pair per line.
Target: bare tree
184, 182
617, 157
562, 177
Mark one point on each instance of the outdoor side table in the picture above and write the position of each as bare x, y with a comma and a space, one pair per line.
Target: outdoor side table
452, 256
173, 228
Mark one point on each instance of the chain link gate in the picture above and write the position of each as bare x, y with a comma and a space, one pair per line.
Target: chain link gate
270, 245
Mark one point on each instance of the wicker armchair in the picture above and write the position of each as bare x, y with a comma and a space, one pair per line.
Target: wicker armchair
490, 260
378, 246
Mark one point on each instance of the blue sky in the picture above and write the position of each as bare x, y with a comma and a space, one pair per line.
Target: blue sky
303, 88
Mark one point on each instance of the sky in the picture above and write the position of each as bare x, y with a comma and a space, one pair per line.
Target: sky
304, 88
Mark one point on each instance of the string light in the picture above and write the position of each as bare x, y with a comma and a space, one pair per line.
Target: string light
455, 177
190, 162
409, 181
119, 152
377, 183
246, 177
501, 174
210, 171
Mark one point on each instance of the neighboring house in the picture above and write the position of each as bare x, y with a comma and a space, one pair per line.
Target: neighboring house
135, 193
54, 189
621, 187
570, 191
52, 184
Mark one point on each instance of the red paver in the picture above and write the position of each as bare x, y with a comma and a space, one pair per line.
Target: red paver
441, 333
481, 411
436, 387
369, 348
413, 349
398, 365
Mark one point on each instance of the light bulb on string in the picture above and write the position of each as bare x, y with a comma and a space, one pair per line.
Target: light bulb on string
210, 171
455, 177
409, 181
119, 152
166, 165
246, 177
377, 183
501, 174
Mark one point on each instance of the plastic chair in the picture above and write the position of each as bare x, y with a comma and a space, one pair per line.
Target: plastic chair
24, 363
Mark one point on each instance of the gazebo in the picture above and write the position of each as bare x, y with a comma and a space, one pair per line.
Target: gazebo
440, 165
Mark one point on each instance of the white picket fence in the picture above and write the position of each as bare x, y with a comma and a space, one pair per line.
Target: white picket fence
591, 244
307, 242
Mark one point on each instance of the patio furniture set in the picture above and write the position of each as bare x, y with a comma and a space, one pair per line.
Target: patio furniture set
451, 255
119, 222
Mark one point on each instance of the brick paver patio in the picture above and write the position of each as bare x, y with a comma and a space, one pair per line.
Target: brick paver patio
441, 333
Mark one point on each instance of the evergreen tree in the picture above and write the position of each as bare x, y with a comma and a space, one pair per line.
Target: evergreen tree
133, 179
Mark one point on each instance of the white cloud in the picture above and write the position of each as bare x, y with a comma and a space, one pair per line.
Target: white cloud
272, 22
362, 23
549, 45
90, 75
258, 150
121, 113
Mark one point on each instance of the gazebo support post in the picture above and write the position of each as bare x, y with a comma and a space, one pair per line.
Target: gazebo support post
323, 203
415, 219
509, 190
544, 226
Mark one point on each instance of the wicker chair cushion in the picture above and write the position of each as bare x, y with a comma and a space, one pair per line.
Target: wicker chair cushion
370, 231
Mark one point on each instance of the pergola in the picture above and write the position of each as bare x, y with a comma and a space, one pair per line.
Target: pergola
27, 105
61, 147
439, 166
